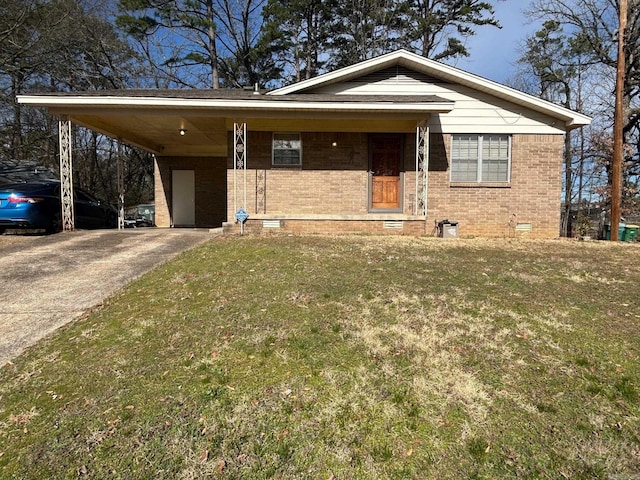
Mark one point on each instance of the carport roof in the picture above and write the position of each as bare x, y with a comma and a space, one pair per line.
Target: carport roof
151, 119
228, 94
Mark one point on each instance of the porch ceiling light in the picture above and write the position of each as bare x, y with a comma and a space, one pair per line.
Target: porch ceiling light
183, 131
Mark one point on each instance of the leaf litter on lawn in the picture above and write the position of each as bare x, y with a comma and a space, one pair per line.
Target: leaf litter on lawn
321, 357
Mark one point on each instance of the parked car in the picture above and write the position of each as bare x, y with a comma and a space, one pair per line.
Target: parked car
142, 215
36, 206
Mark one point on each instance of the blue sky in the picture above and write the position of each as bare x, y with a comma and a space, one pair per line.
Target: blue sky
493, 52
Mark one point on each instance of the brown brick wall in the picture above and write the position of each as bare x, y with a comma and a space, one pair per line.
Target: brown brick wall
334, 181
331, 180
210, 189
533, 195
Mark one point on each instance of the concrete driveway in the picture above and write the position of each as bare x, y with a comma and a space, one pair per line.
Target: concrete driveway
48, 281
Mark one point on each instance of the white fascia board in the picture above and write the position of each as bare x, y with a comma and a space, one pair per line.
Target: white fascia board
408, 59
54, 102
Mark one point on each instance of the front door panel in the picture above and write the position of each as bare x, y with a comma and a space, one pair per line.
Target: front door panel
386, 159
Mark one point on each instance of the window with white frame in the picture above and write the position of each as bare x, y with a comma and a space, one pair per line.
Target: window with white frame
287, 149
480, 158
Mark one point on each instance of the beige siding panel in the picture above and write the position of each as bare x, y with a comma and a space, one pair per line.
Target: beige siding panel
474, 111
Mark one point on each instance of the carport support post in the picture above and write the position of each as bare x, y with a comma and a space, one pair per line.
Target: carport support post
66, 175
422, 168
239, 162
120, 169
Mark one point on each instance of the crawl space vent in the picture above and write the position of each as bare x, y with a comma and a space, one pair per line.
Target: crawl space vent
271, 224
392, 224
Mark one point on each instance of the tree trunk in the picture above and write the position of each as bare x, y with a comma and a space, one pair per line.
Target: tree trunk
568, 180
16, 131
213, 54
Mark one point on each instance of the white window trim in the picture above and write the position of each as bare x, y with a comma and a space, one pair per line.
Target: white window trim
273, 150
479, 179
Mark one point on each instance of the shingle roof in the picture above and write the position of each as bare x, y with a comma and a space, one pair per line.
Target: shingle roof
239, 94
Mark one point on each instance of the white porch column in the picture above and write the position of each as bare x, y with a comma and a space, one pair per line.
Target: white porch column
66, 176
422, 168
239, 165
120, 170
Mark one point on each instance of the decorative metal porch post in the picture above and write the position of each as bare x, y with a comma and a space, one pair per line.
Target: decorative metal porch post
120, 170
239, 162
66, 176
422, 168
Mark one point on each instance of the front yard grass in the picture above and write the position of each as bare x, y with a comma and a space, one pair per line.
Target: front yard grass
343, 358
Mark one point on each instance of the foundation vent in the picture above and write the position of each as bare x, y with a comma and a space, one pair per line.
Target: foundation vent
271, 224
523, 228
392, 224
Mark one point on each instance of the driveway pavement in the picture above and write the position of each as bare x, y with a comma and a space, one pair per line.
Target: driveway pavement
48, 281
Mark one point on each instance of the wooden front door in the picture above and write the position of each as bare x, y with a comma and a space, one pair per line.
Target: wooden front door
386, 159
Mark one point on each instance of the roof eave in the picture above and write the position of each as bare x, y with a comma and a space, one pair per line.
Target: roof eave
74, 102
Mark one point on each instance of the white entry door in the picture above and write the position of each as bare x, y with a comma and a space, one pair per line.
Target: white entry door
183, 188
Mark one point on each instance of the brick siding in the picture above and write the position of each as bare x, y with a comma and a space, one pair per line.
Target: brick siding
532, 197
333, 182
210, 189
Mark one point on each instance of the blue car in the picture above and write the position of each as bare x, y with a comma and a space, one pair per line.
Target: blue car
36, 206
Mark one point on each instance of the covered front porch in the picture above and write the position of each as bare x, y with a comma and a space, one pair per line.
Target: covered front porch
361, 181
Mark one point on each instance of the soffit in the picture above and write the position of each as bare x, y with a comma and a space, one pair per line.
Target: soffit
209, 136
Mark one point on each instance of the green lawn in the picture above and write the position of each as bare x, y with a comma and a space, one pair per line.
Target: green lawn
343, 358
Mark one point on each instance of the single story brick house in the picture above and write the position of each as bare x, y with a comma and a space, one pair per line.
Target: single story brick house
394, 144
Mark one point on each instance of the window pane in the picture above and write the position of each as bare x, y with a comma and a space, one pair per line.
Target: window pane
286, 149
464, 171
465, 147
286, 157
495, 170
286, 141
464, 158
495, 158
495, 147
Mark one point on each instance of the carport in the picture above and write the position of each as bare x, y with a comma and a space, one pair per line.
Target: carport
165, 123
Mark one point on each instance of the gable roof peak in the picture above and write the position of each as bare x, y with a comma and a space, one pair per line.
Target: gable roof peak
445, 73
346, 73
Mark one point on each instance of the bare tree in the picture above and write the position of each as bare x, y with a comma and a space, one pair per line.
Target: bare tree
556, 63
596, 22
57, 45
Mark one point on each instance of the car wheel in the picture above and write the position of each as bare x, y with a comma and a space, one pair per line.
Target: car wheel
112, 221
2, 230
56, 224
